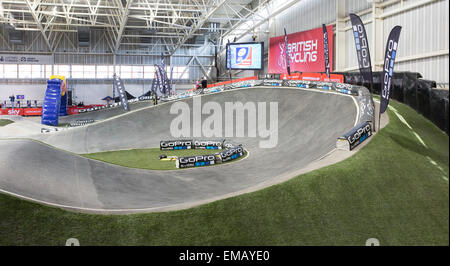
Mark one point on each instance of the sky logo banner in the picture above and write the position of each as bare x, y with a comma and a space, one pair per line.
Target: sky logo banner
248, 56
388, 69
303, 51
362, 48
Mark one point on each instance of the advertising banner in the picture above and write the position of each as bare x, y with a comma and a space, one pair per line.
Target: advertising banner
196, 161
362, 48
10, 111
231, 154
26, 59
355, 137
118, 85
208, 144
326, 51
287, 53
389, 59
32, 111
175, 144
305, 51
229, 59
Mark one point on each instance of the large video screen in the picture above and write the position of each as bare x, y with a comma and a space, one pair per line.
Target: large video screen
248, 56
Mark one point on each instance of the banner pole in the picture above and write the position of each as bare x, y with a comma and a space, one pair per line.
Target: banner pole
379, 117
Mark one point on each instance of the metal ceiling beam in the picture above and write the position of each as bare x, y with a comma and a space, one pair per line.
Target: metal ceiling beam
125, 13
39, 25
198, 25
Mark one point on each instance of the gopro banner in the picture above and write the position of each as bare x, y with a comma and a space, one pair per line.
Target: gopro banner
389, 59
326, 51
355, 137
303, 51
159, 80
208, 144
175, 145
231, 154
196, 161
287, 53
118, 85
362, 48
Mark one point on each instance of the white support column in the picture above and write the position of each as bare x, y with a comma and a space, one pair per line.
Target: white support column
377, 45
340, 35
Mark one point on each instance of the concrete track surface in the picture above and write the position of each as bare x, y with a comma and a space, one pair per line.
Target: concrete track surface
309, 121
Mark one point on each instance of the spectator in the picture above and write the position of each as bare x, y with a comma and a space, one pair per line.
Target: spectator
204, 84
197, 84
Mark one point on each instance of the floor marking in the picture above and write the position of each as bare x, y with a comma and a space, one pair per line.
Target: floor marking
438, 167
402, 119
420, 139
431, 161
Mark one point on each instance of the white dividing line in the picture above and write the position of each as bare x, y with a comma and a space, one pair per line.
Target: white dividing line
403, 120
438, 167
420, 139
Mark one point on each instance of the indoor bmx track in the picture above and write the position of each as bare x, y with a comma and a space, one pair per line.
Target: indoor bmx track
46, 168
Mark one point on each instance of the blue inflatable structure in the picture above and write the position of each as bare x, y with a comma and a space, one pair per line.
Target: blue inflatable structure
63, 106
51, 107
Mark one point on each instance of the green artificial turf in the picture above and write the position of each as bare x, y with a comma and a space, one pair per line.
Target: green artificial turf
388, 190
64, 125
145, 158
4, 122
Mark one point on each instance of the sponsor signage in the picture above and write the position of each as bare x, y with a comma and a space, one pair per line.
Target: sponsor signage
32, 111
231, 154
362, 47
325, 50
287, 53
118, 85
389, 59
26, 59
355, 137
305, 51
11, 111
229, 144
175, 144
207, 144
247, 56
196, 161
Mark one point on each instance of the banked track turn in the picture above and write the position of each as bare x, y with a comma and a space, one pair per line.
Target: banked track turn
49, 170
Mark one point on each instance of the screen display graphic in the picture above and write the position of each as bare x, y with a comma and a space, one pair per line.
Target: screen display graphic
245, 56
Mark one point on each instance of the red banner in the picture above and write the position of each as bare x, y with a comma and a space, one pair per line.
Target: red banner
10, 111
306, 51
32, 111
